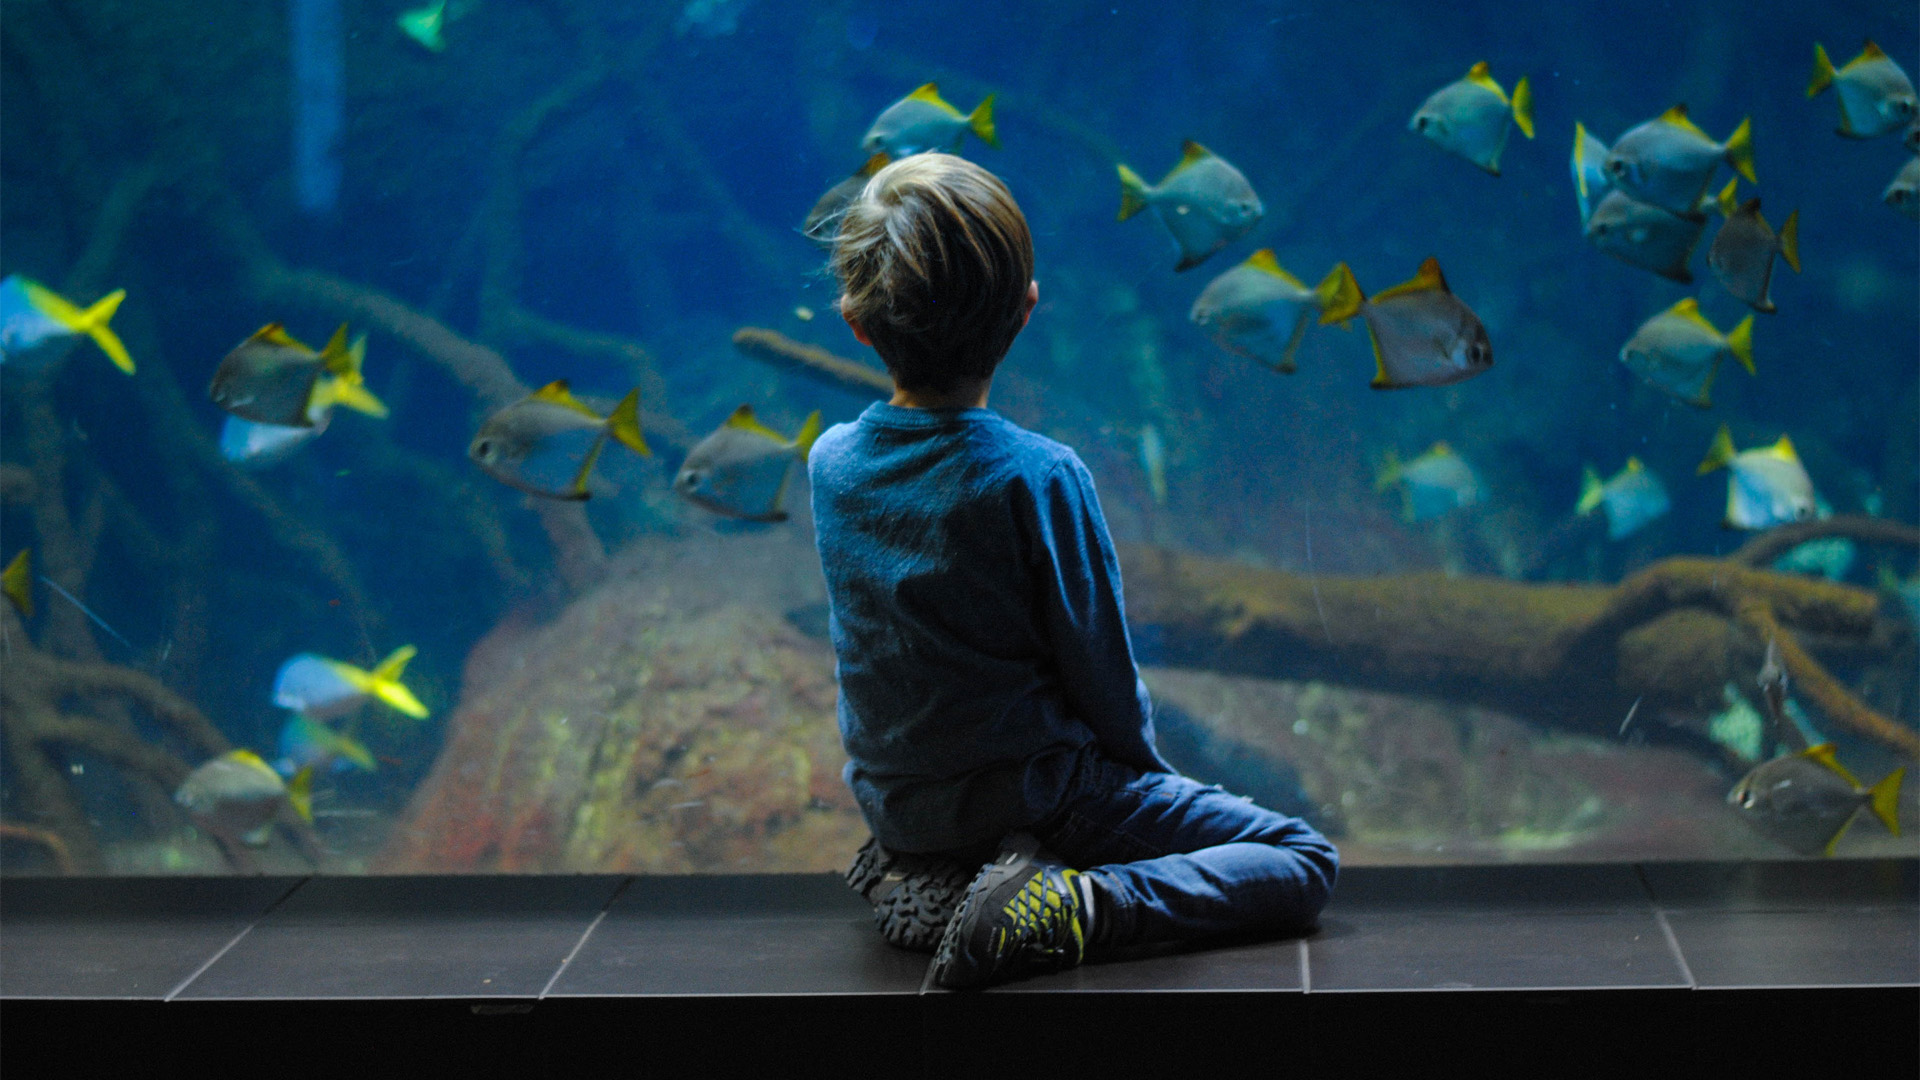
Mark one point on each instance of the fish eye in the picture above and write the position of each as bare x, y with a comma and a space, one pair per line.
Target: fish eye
1617, 167
483, 449
1420, 123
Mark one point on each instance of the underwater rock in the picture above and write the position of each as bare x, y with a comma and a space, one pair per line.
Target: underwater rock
669, 721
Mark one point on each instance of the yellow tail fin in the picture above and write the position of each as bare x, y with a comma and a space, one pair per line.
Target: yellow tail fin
624, 424
1822, 71
1885, 799
91, 322
1389, 473
1720, 454
809, 431
300, 794
1740, 150
1790, 241
1340, 295
1134, 193
339, 390
980, 122
17, 582
1741, 342
1523, 106
353, 750
1591, 492
395, 663
399, 697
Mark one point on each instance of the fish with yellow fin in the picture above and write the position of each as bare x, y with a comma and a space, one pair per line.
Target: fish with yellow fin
1904, 193
1259, 311
924, 121
822, 224
306, 742
742, 469
1643, 235
1680, 352
1766, 485
1432, 485
1807, 800
1668, 161
17, 582
32, 316
1422, 334
1472, 117
1590, 181
237, 799
1875, 95
1743, 252
1632, 498
1203, 201
546, 443
324, 689
271, 378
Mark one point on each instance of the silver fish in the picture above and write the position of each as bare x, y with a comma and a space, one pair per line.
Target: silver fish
1643, 235
1667, 161
1806, 800
1432, 485
1904, 193
1422, 334
1472, 117
823, 221
1875, 95
546, 443
923, 121
1679, 351
1766, 485
1203, 201
1743, 250
742, 469
272, 378
1259, 311
1632, 498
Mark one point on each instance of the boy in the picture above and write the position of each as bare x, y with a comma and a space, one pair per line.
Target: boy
988, 696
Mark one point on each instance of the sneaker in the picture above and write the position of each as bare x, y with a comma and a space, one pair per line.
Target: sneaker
1023, 915
913, 896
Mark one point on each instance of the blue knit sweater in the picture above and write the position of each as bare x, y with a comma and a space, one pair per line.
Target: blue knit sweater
977, 621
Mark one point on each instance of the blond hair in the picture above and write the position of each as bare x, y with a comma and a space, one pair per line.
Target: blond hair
934, 260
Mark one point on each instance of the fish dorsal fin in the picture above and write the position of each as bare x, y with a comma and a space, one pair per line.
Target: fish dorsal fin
300, 794
1870, 51
1677, 116
275, 334
1784, 450
1825, 756
1634, 466
1440, 449
929, 93
1689, 309
249, 759
559, 393
744, 420
1264, 262
1191, 152
1427, 280
874, 164
335, 357
1481, 75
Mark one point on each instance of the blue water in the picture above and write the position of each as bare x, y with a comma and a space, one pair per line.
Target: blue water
663, 207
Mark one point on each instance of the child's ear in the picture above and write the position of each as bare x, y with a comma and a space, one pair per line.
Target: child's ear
859, 334
1033, 301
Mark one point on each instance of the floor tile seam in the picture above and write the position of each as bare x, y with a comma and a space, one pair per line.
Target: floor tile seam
1502, 989
598, 917
237, 938
1673, 945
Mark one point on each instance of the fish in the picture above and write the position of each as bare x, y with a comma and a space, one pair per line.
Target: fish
1643, 235
1589, 170
306, 742
1668, 161
742, 469
257, 446
1743, 251
546, 443
1829, 557
1422, 334
425, 25
823, 221
1904, 193
325, 689
271, 378
238, 796
1153, 458
1432, 485
1806, 800
17, 582
1259, 311
1679, 351
1472, 117
923, 121
1766, 486
1875, 95
32, 315
1632, 498
1772, 681
1911, 140
1203, 201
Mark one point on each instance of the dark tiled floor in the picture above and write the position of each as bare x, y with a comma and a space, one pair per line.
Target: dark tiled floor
1511, 928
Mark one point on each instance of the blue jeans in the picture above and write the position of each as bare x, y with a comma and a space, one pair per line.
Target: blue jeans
1176, 859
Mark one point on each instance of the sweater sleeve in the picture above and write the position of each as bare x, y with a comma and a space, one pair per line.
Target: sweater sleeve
1081, 610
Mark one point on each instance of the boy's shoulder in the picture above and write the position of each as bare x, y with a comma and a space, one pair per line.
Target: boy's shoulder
981, 433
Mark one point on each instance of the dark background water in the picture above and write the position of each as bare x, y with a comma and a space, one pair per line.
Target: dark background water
662, 206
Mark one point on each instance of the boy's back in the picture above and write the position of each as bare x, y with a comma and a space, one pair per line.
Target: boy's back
977, 620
